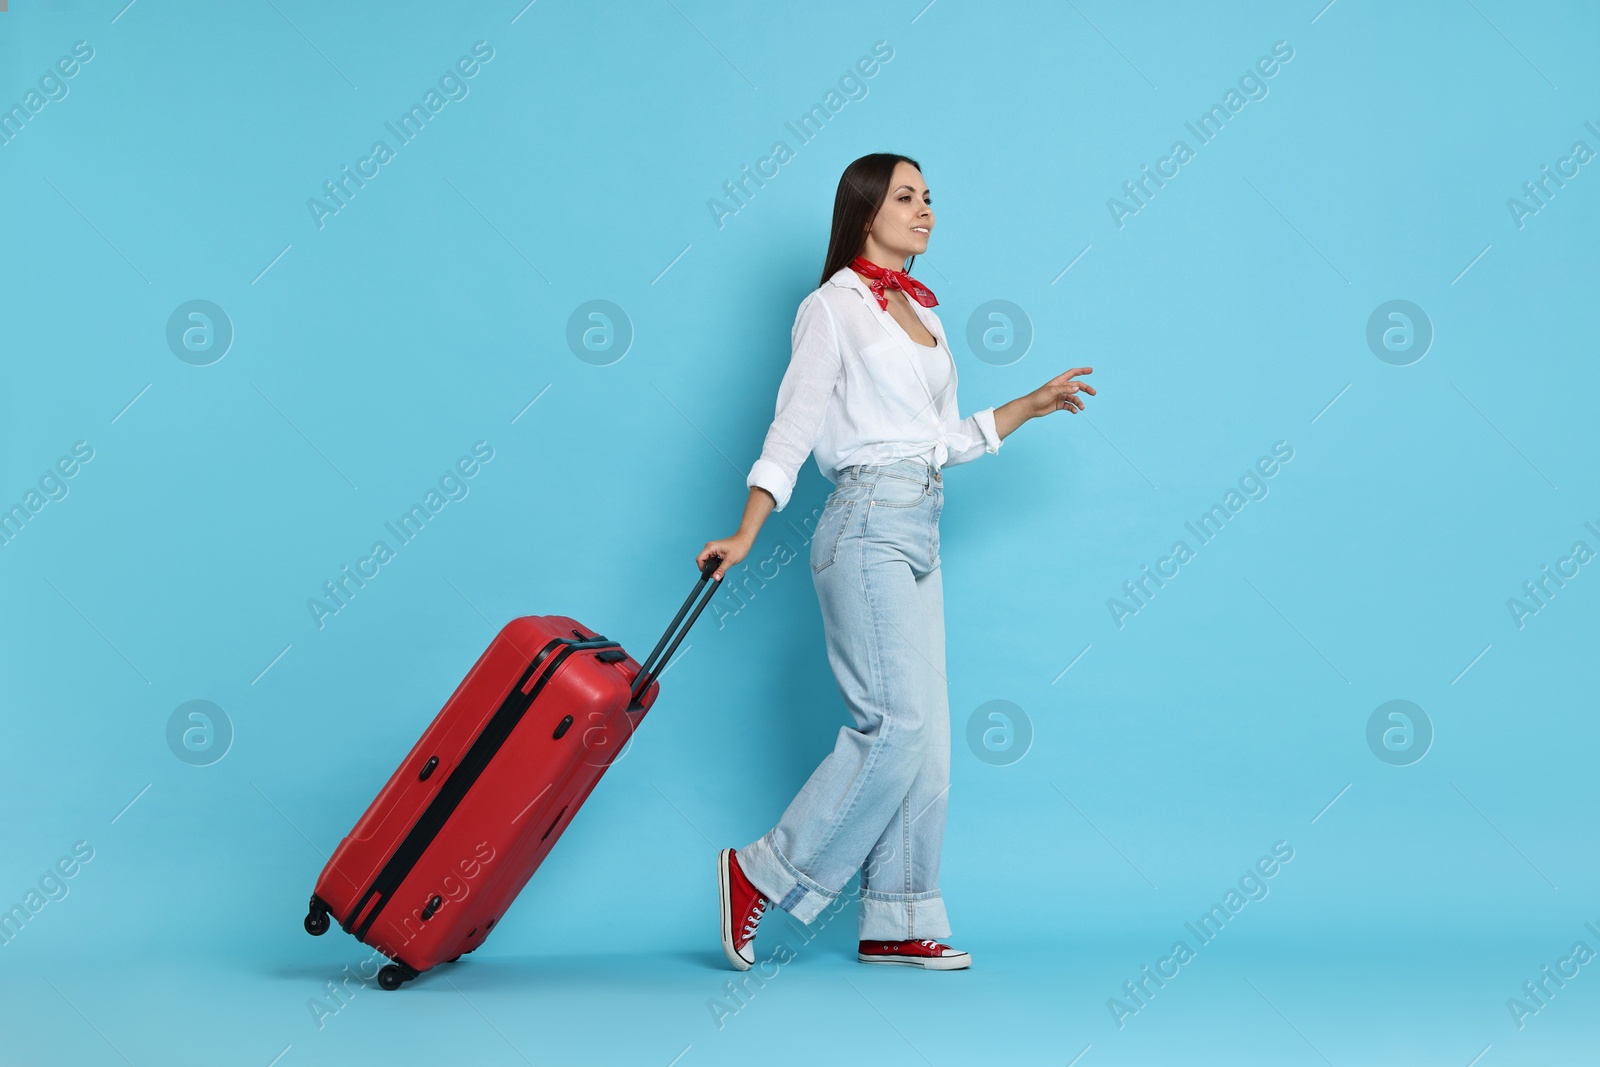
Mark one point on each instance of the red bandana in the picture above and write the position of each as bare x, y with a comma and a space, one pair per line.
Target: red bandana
881, 278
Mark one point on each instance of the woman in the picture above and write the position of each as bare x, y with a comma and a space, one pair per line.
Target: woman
871, 389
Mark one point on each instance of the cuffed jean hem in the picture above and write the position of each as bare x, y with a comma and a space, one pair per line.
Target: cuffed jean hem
770, 871
902, 916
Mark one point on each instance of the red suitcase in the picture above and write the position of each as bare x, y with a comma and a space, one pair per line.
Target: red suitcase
477, 805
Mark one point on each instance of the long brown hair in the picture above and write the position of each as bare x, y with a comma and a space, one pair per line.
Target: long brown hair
862, 187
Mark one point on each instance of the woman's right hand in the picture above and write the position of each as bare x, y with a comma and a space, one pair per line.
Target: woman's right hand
731, 549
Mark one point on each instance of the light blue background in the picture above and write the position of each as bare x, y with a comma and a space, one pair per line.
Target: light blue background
1227, 315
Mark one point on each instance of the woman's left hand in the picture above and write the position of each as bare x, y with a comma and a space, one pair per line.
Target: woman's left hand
1061, 393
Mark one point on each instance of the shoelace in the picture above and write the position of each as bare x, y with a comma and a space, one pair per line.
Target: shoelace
753, 919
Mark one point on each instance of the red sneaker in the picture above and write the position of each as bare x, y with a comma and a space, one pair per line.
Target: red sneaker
742, 908
926, 953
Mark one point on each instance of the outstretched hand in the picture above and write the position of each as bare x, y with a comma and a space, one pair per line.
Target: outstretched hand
1061, 393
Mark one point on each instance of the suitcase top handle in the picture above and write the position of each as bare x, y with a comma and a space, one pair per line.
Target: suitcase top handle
657, 658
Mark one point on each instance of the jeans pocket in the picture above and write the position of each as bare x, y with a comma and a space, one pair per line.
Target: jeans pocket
829, 532
892, 491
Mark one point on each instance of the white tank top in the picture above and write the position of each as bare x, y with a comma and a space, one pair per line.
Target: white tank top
933, 364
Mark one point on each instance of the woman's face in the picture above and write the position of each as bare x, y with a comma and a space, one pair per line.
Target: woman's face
904, 222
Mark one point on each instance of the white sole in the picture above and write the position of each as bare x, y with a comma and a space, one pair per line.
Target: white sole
932, 963
725, 888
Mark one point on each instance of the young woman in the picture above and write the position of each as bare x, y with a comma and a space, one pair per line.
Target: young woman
871, 390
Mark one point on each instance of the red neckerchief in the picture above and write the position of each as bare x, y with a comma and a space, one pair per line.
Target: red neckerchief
881, 278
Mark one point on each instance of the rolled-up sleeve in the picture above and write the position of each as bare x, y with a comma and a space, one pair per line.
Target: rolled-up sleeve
972, 437
813, 374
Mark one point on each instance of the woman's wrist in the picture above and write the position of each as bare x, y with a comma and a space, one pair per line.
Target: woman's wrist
757, 507
1008, 416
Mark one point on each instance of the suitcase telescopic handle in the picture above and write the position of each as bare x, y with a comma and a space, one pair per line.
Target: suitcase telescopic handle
675, 632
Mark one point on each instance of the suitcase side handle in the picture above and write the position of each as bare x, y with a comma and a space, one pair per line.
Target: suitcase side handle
657, 658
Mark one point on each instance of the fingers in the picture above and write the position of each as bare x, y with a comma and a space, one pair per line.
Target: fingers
1064, 391
713, 548
1063, 398
1064, 380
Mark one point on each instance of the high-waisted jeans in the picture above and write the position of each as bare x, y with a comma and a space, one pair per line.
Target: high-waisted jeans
876, 804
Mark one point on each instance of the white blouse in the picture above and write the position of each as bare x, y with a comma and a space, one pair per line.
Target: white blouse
859, 390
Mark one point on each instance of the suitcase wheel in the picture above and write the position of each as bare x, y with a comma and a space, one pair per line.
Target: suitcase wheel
390, 977
317, 919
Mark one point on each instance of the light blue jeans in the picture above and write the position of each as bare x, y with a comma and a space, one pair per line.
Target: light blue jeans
876, 803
